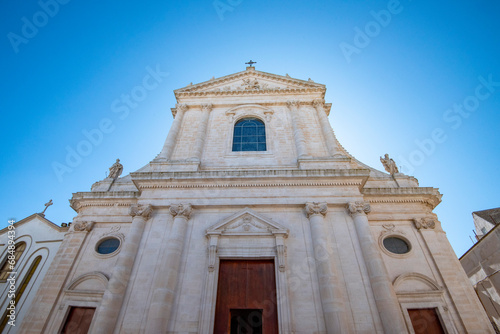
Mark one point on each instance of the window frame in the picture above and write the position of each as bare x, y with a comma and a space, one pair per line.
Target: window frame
233, 136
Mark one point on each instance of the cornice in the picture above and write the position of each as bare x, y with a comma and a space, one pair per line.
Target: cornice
251, 92
103, 198
245, 185
258, 74
286, 173
426, 195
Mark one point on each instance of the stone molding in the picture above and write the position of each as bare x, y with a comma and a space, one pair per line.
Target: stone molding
82, 226
143, 211
181, 210
316, 208
424, 223
245, 185
358, 208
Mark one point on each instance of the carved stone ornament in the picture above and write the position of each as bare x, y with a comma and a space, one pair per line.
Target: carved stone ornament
115, 170
318, 103
389, 164
182, 210
424, 223
358, 207
82, 226
253, 84
212, 251
181, 106
207, 107
141, 210
281, 251
316, 208
293, 103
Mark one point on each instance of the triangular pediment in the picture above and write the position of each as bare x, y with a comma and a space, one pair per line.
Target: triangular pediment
250, 81
247, 222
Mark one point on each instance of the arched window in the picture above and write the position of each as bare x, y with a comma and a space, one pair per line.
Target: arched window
5, 271
20, 290
249, 135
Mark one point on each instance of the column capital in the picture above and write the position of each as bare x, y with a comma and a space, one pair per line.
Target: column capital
181, 210
143, 211
82, 226
358, 207
207, 107
293, 103
316, 208
424, 223
317, 103
181, 107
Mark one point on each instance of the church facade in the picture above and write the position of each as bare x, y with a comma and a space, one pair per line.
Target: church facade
254, 219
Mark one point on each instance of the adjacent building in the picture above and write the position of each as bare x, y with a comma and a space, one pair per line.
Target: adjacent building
34, 242
482, 262
254, 219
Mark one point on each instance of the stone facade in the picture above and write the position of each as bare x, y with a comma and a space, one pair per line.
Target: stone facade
41, 239
482, 262
304, 202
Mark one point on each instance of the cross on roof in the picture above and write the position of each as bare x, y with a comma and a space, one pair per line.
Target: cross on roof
251, 63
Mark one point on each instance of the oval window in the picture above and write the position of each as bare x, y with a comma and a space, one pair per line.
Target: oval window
396, 245
108, 246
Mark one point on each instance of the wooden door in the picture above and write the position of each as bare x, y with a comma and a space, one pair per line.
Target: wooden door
246, 298
425, 321
78, 320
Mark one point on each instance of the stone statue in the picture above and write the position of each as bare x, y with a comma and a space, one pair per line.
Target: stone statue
389, 164
116, 170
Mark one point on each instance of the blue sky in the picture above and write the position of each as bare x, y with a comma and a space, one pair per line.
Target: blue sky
403, 78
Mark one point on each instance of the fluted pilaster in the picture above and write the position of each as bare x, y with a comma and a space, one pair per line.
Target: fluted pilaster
169, 145
383, 292
109, 309
319, 105
202, 132
327, 269
166, 279
298, 134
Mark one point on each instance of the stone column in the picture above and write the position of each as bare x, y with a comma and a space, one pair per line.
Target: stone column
108, 311
298, 135
202, 132
465, 300
169, 145
165, 282
383, 292
38, 314
325, 126
327, 269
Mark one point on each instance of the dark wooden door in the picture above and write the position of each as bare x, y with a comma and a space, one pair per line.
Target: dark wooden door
425, 321
246, 298
78, 320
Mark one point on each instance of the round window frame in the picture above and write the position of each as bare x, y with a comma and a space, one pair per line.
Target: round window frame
398, 236
101, 240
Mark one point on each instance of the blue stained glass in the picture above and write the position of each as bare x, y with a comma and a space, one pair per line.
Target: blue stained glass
249, 135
